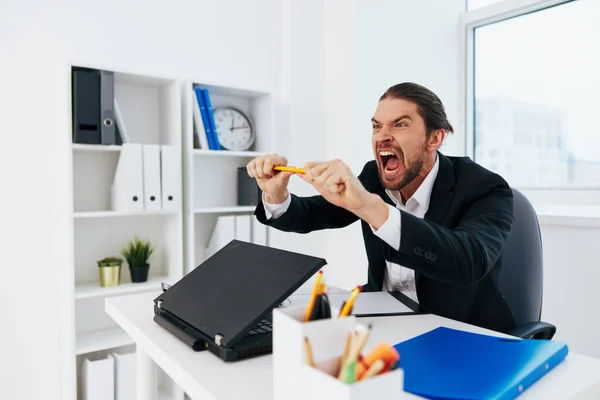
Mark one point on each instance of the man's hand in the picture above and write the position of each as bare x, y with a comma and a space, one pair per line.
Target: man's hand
272, 183
337, 184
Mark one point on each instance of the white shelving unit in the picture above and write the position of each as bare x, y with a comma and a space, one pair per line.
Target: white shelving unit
210, 176
151, 110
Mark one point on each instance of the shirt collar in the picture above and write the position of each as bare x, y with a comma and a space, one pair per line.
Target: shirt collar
423, 193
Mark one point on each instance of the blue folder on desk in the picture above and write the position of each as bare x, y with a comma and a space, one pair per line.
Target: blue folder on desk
451, 364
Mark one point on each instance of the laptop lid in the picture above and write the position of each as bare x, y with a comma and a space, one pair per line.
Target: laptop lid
238, 286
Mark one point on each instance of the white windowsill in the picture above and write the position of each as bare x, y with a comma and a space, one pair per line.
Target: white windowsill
585, 216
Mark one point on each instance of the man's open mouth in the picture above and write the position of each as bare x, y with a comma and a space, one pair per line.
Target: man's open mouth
389, 161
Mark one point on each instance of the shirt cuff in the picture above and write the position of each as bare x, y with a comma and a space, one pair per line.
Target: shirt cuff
274, 211
389, 232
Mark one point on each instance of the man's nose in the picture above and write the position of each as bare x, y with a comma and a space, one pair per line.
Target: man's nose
384, 135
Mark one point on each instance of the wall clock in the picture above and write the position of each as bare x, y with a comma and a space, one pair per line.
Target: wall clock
234, 129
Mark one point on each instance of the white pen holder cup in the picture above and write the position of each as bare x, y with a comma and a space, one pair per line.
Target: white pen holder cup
326, 336
321, 383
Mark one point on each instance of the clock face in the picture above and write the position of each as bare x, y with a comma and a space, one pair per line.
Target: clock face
234, 129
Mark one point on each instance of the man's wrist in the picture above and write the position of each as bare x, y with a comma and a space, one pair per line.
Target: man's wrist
276, 198
375, 211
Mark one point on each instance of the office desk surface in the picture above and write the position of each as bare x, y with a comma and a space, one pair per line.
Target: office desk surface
203, 376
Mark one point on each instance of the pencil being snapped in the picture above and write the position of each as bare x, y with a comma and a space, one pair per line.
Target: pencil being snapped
283, 168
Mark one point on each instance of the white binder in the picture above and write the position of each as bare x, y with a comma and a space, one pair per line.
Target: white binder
243, 229
223, 234
170, 184
125, 376
259, 232
98, 379
127, 190
152, 190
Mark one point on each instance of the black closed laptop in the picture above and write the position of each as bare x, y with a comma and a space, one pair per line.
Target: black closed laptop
225, 304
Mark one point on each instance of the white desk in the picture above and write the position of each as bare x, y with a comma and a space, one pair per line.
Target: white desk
203, 376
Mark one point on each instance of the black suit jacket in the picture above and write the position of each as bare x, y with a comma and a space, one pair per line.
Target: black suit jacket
455, 250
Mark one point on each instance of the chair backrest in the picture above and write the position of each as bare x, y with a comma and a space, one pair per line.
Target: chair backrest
521, 275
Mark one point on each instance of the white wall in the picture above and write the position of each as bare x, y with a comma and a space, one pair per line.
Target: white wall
231, 42
571, 282
370, 46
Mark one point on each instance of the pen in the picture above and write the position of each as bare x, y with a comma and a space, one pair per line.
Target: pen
283, 168
313, 297
348, 306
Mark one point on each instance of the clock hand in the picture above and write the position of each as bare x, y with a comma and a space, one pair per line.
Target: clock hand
231, 129
239, 127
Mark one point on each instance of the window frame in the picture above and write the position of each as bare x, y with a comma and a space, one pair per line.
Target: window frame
493, 13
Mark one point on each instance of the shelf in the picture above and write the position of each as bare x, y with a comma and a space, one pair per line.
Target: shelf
96, 148
226, 153
113, 214
104, 339
226, 210
93, 289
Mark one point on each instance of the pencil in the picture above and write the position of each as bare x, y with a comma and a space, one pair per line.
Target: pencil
348, 306
290, 169
313, 296
374, 369
283, 168
322, 288
308, 352
363, 339
345, 354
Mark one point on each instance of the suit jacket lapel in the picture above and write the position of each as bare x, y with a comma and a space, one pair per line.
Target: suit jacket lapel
442, 193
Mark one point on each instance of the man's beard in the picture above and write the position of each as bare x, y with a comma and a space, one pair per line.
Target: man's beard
411, 173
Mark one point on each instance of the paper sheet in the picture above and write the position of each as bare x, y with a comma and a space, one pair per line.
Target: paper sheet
368, 303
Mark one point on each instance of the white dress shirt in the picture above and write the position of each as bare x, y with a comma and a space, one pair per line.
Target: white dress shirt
397, 277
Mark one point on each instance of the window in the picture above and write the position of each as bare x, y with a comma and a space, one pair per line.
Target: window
535, 92
474, 4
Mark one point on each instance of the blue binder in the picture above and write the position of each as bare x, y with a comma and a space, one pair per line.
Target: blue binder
450, 364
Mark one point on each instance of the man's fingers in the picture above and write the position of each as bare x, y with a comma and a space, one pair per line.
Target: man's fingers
268, 167
314, 170
251, 169
282, 177
259, 167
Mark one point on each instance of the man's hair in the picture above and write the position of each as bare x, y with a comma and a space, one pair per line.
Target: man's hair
430, 107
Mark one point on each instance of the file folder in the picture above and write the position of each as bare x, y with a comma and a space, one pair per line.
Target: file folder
152, 190
199, 129
97, 379
124, 376
259, 232
243, 229
451, 364
127, 190
170, 185
86, 106
107, 101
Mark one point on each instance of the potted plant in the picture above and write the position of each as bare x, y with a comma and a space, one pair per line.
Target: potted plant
137, 253
110, 271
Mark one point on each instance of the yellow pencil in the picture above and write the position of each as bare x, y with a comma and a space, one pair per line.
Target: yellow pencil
290, 169
313, 297
348, 306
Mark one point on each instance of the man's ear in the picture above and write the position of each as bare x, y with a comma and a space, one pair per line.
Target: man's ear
436, 139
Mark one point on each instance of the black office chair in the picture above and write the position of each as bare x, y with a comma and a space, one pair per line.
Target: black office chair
521, 275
